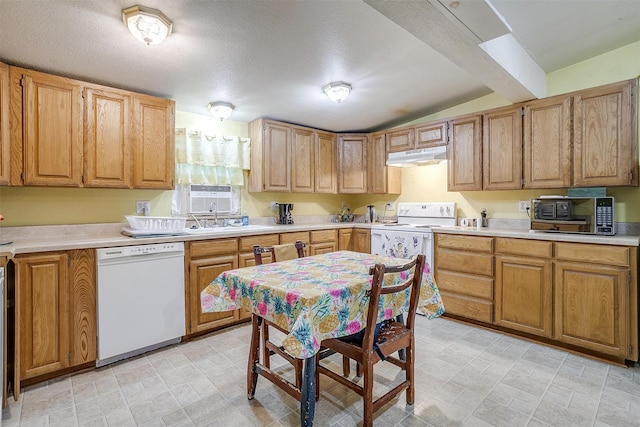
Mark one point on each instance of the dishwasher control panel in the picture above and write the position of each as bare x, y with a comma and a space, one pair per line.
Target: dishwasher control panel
127, 251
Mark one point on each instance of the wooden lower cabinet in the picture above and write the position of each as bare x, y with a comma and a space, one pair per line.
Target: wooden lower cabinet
354, 239
205, 261
323, 241
464, 274
576, 294
524, 285
55, 311
592, 307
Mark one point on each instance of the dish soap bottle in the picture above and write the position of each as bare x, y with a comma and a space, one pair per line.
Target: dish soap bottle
245, 218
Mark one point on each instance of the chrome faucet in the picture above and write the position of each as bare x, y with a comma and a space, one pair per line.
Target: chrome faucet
213, 207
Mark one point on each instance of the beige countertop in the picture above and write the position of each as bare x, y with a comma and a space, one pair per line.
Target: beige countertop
46, 238
618, 239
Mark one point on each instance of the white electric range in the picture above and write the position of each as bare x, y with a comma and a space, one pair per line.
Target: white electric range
413, 233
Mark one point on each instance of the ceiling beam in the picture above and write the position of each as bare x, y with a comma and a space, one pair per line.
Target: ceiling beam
501, 64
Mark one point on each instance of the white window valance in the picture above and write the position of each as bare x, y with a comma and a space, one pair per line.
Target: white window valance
207, 159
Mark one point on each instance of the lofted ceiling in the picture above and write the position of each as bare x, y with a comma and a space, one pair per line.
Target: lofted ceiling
403, 58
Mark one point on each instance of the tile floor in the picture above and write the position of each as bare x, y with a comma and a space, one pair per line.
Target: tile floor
465, 377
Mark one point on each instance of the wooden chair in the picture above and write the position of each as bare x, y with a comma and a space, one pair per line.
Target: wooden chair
279, 253
392, 337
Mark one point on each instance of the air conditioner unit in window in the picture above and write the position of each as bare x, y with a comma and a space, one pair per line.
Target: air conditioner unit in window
204, 199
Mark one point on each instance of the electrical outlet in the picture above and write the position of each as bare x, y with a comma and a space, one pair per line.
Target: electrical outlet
524, 205
143, 207
273, 206
390, 206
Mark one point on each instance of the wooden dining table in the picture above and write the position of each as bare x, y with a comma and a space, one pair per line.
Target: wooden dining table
313, 298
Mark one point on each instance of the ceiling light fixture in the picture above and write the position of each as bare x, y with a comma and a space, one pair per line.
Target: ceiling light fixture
148, 25
221, 110
337, 91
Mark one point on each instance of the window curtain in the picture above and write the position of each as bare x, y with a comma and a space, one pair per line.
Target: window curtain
205, 159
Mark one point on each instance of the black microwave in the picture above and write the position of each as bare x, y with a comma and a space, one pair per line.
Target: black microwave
588, 215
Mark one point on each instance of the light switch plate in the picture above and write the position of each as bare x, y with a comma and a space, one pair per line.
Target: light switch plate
143, 207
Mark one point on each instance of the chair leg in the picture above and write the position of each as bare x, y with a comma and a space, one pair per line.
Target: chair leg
254, 354
317, 362
367, 395
266, 353
346, 366
410, 373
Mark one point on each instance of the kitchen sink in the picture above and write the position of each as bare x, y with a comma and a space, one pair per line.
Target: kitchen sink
229, 229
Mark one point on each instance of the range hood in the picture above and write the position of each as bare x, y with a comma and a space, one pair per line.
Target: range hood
423, 156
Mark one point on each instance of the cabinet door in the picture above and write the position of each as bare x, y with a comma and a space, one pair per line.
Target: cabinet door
464, 154
153, 148
4, 124
400, 140
82, 306
361, 240
326, 163
42, 315
107, 138
547, 143
352, 163
201, 273
277, 155
502, 149
431, 135
345, 242
382, 179
606, 136
592, 307
302, 160
52, 130
523, 294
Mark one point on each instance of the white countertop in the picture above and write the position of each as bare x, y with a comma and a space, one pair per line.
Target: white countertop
67, 237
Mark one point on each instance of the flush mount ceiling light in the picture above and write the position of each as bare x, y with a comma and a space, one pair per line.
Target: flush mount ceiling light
148, 25
221, 110
337, 91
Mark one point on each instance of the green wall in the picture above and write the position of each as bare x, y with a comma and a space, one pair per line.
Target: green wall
46, 205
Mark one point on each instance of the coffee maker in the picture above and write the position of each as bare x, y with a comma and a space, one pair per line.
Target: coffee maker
284, 213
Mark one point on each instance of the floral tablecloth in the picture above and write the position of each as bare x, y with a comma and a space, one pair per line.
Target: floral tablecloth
316, 297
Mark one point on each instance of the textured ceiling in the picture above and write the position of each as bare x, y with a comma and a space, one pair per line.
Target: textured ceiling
271, 58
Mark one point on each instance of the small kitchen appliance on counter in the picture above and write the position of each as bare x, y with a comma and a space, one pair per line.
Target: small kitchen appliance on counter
284, 213
371, 214
586, 215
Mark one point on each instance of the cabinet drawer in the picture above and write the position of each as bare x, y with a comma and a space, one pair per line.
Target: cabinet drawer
466, 284
469, 307
464, 262
469, 243
213, 247
246, 243
529, 248
319, 236
303, 236
591, 253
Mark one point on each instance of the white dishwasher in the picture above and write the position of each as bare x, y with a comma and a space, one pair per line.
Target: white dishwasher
140, 299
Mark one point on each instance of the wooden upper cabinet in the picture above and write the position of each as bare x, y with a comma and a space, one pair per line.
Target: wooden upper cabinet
431, 134
400, 140
270, 156
326, 163
464, 154
153, 149
547, 143
502, 149
302, 159
382, 179
107, 139
52, 128
606, 135
4, 125
352, 163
